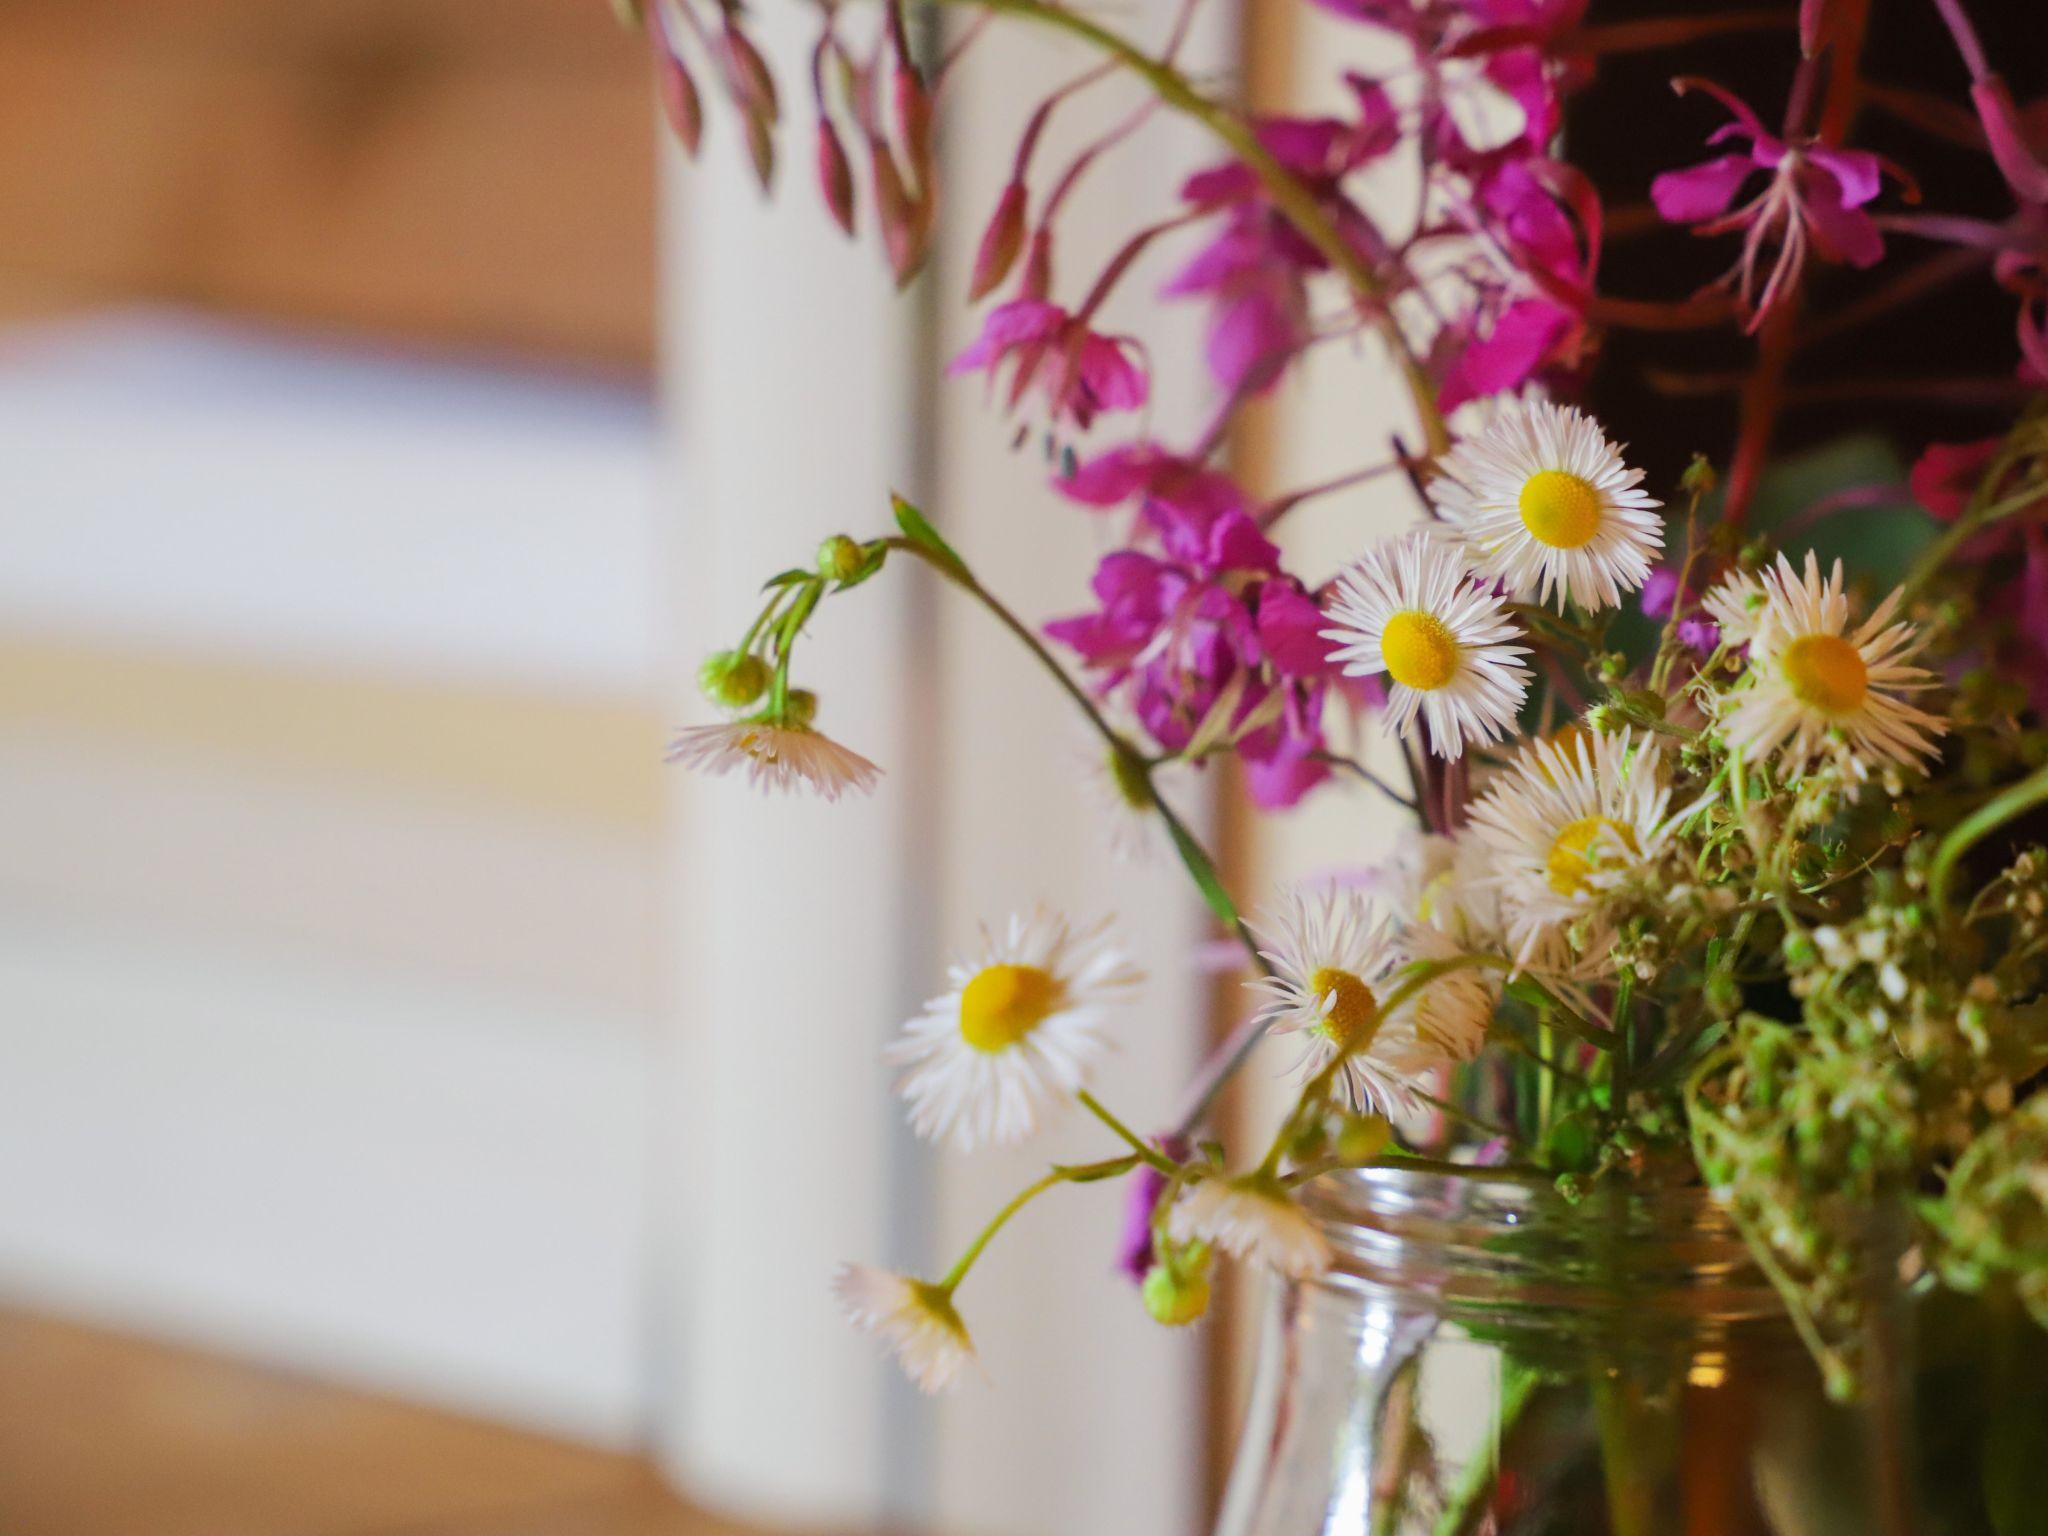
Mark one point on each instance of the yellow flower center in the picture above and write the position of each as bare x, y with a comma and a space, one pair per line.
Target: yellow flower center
1353, 1015
1004, 1003
1560, 509
1420, 652
1826, 672
1571, 861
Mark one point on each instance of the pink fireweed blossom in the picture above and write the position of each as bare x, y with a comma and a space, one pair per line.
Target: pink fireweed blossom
1530, 278
1211, 643
1814, 201
1079, 372
1255, 269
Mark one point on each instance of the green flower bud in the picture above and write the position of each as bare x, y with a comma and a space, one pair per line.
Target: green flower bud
733, 679
1177, 1294
1699, 477
802, 708
1128, 774
1362, 1138
841, 559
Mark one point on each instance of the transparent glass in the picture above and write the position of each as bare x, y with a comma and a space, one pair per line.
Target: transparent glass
1487, 1359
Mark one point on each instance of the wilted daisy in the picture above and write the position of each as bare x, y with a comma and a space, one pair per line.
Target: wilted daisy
1411, 609
1016, 1033
915, 1318
1251, 1217
1334, 968
775, 757
1820, 690
1546, 505
1560, 830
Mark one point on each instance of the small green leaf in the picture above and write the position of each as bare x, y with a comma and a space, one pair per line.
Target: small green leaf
918, 529
788, 578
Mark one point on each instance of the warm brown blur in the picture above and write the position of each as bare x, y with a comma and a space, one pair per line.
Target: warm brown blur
470, 170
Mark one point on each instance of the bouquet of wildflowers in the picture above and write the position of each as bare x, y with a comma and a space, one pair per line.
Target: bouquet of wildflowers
1720, 869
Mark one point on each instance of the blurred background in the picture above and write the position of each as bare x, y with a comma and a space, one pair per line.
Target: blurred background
418, 1112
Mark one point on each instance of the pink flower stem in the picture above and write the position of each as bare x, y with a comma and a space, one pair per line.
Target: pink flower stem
1763, 397
1671, 31
1957, 20
1120, 264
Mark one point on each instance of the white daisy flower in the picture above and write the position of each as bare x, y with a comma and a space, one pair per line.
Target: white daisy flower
1822, 691
1546, 505
1015, 1035
1333, 966
775, 757
1251, 1217
915, 1318
1433, 881
1735, 604
1411, 609
1560, 831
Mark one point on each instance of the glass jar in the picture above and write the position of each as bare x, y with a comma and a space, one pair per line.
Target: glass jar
1486, 1358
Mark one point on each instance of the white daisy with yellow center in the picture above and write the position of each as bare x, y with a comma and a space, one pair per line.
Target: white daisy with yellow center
1336, 974
1822, 691
1015, 1036
915, 1318
1251, 1217
775, 758
1560, 831
1411, 609
1545, 504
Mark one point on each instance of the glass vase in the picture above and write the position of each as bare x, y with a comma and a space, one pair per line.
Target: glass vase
1486, 1358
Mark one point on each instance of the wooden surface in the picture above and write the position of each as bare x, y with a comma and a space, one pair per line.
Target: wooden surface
479, 171
106, 1435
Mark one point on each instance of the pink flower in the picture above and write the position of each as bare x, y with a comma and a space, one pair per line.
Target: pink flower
1214, 627
1079, 372
1255, 269
1814, 201
1526, 315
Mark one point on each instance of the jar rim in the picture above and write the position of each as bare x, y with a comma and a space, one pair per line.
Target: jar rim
1495, 1242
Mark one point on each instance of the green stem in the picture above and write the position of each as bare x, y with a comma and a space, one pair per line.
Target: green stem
1200, 866
1147, 1153
1018, 1201
1980, 823
1466, 1503
1294, 200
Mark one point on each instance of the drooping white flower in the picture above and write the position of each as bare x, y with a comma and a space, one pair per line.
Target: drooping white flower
1560, 830
1015, 1034
915, 1318
1546, 504
1411, 609
1251, 1217
1820, 690
1735, 603
1335, 970
783, 757
1434, 881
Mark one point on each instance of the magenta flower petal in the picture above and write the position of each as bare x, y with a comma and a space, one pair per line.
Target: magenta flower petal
1516, 347
1700, 192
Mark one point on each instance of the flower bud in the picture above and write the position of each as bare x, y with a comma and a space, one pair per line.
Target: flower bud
1699, 477
680, 103
906, 222
747, 76
733, 679
802, 707
841, 559
835, 176
1361, 1138
1000, 243
913, 107
1176, 1294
